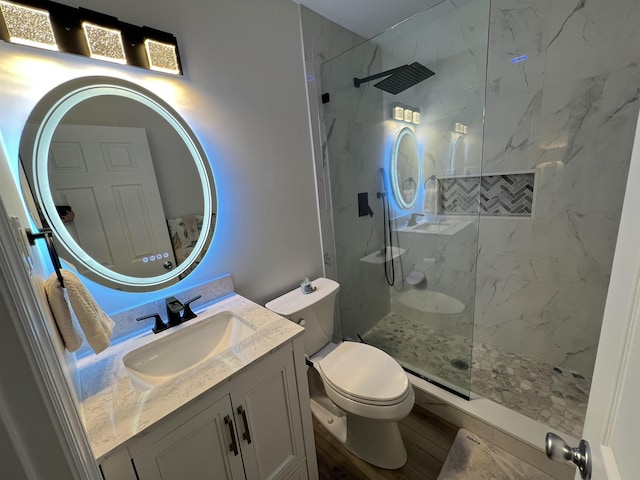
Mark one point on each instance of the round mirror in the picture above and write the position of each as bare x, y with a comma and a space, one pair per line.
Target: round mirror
122, 182
405, 168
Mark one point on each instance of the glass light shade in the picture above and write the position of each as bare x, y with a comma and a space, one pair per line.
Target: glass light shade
398, 113
162, 56
416, 117
408, 115
104, 43
28, 26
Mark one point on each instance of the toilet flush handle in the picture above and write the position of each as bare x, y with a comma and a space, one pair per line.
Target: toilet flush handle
306, 287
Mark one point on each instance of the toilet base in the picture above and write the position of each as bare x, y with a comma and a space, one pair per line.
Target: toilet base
376, 442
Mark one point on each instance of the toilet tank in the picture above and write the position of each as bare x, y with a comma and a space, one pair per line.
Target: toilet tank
314, 311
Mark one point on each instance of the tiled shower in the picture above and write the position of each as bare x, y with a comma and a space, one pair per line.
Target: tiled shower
517, 269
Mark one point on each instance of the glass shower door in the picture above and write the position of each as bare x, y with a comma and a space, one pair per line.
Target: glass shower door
405, 187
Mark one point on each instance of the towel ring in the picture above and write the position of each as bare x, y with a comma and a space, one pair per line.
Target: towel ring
47, 234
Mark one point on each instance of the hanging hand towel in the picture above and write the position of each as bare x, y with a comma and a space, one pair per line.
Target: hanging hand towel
60, 308
432, 199
96, 325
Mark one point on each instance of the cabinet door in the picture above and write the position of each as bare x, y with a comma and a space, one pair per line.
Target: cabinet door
204, 447
267, 413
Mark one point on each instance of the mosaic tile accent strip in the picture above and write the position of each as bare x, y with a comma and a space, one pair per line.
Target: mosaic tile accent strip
460, 195
507, 195
500, 195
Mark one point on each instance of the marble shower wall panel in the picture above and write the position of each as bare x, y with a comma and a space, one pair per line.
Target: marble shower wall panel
568, 112
451, 40
323, 40
356, 152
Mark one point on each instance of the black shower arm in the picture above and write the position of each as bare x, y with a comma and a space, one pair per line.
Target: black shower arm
359, 81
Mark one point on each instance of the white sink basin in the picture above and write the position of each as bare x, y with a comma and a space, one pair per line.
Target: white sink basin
439, 227
434, 227
169, 356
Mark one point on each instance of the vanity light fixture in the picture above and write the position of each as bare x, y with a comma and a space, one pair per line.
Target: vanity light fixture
54, 26
461, 128
27, 26
104, 43
162, 57
398, 113
406, 114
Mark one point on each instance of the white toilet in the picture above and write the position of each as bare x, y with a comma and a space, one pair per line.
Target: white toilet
357, 391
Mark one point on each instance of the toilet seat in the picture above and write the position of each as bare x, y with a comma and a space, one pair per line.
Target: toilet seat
360, 381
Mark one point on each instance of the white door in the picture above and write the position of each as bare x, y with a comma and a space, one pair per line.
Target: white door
612, 426
106, 175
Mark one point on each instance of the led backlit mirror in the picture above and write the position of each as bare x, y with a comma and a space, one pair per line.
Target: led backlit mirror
122, 181
405, 168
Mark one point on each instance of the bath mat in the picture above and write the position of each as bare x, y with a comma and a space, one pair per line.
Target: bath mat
473, 457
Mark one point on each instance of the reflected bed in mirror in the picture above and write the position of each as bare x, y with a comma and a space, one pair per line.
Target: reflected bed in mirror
405, 168
121, 180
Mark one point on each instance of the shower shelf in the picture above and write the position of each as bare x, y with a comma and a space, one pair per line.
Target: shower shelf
377, 257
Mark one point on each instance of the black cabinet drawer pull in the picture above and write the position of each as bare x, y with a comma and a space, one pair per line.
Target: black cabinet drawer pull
233, 446
246, 435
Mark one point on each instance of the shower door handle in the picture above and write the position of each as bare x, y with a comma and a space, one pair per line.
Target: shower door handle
560, 451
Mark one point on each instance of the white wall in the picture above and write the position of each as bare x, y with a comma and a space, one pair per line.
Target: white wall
243, 93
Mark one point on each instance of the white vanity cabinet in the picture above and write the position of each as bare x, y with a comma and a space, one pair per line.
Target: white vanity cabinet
250, 427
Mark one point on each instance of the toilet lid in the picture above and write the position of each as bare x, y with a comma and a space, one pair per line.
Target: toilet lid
364, 372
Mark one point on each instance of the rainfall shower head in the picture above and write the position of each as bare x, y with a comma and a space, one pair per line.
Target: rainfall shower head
398, 79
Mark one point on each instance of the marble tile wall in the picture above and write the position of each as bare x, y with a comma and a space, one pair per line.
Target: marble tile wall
322, 40
359, 132
348, 128
355, 124
567, 112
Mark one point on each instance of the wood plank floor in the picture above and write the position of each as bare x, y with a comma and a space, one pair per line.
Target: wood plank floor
427, 438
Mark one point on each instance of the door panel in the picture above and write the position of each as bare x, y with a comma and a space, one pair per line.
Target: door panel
612, 423
121, 220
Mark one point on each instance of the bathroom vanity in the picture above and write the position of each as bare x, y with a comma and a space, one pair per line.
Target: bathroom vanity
241, 413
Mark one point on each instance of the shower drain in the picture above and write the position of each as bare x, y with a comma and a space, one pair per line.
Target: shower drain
459, 364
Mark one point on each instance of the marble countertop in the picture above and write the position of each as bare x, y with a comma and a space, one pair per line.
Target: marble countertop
114, 411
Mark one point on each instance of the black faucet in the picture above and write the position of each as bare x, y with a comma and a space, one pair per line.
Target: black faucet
188, 314
160, 326
174, 307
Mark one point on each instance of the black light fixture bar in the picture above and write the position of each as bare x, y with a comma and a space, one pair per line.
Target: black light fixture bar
74, 28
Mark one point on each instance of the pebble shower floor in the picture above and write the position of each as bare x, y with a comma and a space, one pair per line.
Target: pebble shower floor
548, 394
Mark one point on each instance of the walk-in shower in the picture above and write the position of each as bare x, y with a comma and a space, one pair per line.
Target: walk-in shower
504, 220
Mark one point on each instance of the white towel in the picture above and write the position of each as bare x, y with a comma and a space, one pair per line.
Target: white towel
432, 197
96, 325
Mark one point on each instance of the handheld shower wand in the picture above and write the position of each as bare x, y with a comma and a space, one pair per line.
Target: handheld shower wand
387, 232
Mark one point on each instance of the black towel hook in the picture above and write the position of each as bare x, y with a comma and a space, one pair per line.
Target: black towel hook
47, 234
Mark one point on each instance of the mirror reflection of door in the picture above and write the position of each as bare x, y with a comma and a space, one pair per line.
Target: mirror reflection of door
106, 175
